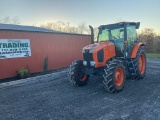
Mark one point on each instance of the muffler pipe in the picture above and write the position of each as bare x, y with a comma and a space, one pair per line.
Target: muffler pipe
92, 34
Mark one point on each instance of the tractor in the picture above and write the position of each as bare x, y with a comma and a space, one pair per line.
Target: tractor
117, 55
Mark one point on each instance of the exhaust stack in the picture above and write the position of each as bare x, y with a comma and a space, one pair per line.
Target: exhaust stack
92, 34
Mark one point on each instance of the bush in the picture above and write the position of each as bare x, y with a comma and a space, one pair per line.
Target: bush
23, 73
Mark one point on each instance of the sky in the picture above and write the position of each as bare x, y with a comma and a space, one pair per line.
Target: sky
92, 12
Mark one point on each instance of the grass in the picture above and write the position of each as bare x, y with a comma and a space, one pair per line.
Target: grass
153, 55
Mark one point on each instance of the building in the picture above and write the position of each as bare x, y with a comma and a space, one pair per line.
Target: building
30, 47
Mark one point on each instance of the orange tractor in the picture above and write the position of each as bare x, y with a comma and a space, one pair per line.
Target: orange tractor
116, 55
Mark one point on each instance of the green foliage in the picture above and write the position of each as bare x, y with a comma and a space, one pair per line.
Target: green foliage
45, 65
152, 55
22, 72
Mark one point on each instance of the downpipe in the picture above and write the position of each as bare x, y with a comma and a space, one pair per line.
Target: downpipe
92, 34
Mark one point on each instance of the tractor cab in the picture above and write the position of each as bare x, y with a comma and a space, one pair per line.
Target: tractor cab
123, 35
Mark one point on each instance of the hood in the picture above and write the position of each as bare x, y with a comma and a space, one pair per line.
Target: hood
96, 47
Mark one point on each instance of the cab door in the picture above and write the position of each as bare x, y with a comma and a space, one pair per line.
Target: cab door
118, 36
131, 38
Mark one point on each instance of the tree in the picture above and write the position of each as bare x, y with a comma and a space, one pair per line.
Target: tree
147, 36
59, 26
47, 25
157, 44
6, 20
66, 27
9, 20
96, 33
82, 28
15, 20
73, 29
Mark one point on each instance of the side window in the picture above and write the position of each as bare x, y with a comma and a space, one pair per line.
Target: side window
117, 34
104, 35
131, 35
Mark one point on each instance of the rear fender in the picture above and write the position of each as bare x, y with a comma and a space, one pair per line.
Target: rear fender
135, 49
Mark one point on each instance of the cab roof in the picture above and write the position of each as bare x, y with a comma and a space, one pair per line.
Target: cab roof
119, 25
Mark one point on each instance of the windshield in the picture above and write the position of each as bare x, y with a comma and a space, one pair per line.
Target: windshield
110, 34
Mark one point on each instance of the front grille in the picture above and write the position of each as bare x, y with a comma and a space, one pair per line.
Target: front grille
88, 57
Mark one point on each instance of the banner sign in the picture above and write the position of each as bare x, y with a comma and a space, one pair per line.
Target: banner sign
14, 48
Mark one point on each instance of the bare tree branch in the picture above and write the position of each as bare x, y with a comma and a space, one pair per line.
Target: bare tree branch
9, 20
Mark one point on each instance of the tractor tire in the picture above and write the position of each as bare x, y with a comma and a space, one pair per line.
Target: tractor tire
76, 73
114, 76
139, 65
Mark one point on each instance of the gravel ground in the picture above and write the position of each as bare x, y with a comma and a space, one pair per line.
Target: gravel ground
58, 99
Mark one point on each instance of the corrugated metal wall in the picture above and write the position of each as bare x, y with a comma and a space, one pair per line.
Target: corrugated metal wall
61, 50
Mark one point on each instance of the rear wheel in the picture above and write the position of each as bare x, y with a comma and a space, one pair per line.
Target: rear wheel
114, 76
77, 74
139, 65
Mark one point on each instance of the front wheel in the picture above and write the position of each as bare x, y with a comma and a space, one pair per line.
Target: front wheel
114, 76
77, 74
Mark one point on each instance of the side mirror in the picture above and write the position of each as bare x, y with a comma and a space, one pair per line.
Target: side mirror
100, 30
137, 25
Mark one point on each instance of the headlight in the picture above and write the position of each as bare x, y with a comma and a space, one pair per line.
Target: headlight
92, 63
85, 63
91, 51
